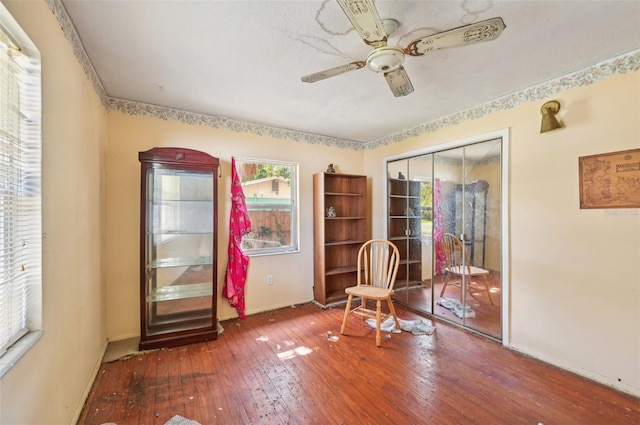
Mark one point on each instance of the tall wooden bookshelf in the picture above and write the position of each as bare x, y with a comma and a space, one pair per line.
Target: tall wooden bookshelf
338, 238
404, 228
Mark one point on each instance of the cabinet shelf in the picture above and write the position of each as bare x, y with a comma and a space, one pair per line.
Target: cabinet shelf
404, 196
179, 232
179, 292
341, 270
344, 242
179, 262
334, 297
410, 262
180, 201
403, 217
404, 238
337, 239
343, 194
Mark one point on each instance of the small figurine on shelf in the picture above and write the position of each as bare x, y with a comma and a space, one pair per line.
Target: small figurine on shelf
330, 169
331, 212
400, 175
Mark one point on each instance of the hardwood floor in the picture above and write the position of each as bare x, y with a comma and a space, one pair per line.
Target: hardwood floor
291, 366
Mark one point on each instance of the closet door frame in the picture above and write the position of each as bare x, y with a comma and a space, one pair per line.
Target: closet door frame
504, 216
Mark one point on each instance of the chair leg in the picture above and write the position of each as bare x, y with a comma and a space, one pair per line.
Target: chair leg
486, 285
347, 310
393, 312
445, 283
378, 320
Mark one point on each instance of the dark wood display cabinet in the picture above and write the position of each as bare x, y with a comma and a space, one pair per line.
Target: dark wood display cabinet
339, 228
178, 247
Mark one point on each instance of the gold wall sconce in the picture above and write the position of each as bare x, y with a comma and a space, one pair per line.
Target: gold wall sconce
549, 120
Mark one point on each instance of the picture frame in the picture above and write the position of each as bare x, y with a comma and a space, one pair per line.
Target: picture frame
610, 180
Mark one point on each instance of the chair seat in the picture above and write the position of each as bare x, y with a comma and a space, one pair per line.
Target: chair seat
475, 271
368, 291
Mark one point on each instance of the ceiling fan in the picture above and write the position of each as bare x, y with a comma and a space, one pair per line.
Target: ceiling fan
388, 59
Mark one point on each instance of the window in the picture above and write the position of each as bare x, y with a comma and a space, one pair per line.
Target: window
20, 203
270, 190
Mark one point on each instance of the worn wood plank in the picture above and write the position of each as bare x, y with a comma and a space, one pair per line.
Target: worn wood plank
115, 392
211, 395
136, 395
259, 395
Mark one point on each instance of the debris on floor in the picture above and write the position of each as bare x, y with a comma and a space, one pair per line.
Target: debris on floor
416, 327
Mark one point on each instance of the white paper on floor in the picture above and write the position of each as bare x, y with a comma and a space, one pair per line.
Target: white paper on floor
456, 307
416, 327
179, 420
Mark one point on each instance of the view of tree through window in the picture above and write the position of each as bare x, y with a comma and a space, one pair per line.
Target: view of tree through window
270, 192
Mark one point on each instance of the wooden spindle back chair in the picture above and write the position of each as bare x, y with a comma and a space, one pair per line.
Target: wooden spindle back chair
457, 264
378, 261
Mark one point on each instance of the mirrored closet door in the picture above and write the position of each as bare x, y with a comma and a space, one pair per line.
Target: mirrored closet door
444, 214
409, 206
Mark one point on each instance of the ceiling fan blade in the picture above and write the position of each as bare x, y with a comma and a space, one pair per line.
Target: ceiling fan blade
399, 82
328, 73
365, 19
474, 33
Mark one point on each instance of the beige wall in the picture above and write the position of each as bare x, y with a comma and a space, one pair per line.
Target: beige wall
574, 279
292, 273
48, 385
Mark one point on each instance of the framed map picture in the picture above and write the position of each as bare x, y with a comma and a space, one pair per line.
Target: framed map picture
610, 180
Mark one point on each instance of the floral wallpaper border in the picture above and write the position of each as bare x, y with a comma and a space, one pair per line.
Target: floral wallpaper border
623, 64
192, 118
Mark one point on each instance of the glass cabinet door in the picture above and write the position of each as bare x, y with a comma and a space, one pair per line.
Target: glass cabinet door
179, 250
178, 255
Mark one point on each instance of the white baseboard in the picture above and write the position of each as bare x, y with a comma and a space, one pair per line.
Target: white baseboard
78, 410
263, 309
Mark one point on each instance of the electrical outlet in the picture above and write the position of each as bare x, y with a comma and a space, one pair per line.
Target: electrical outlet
269, 279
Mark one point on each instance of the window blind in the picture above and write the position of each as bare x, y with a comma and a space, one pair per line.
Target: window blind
20, 199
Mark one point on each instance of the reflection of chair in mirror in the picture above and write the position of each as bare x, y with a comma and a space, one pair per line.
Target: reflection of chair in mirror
378, 261
457, 264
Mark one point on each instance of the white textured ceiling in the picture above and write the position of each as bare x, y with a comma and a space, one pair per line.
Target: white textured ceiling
243, 59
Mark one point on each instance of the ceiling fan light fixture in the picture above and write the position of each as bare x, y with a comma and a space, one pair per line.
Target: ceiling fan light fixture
385, 59
390, 26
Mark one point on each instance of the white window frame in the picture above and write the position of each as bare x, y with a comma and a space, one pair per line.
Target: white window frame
294, 207
21, 207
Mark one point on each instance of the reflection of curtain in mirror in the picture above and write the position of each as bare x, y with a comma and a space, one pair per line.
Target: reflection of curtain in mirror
438, 226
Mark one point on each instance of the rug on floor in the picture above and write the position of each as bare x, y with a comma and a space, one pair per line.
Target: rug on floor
416, 327
456, 307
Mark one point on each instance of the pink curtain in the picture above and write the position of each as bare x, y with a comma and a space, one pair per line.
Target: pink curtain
238, 262
438, 226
